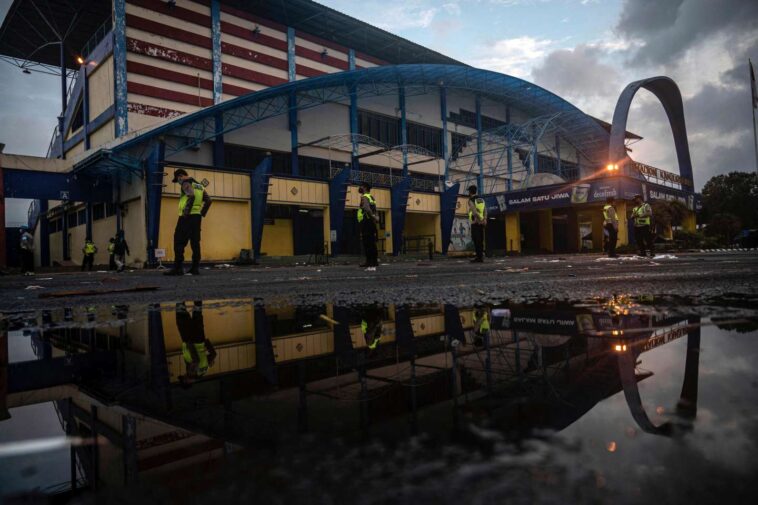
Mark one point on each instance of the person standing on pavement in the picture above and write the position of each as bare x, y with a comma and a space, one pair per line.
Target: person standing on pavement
368, 219
611, 224
26, 244
89, 251
111, 255
477, 216
642, 214
194, 203
120, 250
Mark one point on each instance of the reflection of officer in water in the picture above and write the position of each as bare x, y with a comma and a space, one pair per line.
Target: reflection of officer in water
371, 326
197, 351
481, 324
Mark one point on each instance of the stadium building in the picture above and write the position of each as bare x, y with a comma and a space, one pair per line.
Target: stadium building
281, 109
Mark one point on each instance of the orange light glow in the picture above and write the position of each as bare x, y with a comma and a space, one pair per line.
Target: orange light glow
618, 347
80, 60
611, 446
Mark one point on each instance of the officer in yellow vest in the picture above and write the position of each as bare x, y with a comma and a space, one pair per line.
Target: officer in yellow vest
481, 324
194, 203
89, 251
368, 218
197, 351
477, 216
611, 224
642, 214
111, 255
371, 326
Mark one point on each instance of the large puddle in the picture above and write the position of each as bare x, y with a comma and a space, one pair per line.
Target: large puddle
599, 401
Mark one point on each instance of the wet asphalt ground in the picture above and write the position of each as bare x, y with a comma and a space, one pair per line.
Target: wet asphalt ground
691, 278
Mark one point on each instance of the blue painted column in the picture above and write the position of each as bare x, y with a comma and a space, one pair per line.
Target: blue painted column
218, 87
354, 123
443, 115
85, 104
61, 118
403, 129
479, 148
351, 59
448, 201
291, 64
64, 234
44, 234
558, 170
509, 153
292, 117
88, 225
119, 68
154, 181
259, 180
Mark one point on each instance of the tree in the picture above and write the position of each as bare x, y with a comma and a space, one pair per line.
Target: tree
735, 193
668, 214
723, 226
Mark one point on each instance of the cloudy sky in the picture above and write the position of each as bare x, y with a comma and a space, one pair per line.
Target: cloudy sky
583, 50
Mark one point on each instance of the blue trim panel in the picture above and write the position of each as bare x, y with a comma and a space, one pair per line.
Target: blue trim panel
354, 123
93, 126
216, 44
48, 186
68, 117
218, 141
85, 104
291, 64
119, 67
448, 202
259, 195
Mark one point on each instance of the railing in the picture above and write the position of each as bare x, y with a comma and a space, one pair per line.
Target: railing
378, 179
103, 30
418, 243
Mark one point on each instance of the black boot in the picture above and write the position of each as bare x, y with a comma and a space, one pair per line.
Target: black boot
177, 270
195, 270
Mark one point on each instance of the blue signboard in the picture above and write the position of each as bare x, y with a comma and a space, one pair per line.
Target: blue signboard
582, 192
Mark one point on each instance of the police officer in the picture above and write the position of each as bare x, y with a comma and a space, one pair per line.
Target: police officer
198, 352
111, 257
89, 251
611, 224
477, 216
120, 250
642, 214
368, 218
26, 244
194, 203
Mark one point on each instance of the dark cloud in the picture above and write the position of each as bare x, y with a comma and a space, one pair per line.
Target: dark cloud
669, 27
577, 73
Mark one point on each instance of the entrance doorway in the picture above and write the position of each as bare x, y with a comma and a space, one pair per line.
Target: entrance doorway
495, 239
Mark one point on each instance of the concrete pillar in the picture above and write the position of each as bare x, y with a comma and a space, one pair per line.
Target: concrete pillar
3, 259
44, 234
690, 222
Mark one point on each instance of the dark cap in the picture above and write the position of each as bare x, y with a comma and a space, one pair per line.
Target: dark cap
177, 173
610, 199
365, 185
472, 189
637, 196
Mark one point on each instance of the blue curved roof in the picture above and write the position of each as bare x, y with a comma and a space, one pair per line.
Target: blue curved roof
577, 127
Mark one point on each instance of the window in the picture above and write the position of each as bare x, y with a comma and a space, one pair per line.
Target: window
71, 219
55, 225
468, 118
81, 216
385, 129
458, 143
110, 209
78, 119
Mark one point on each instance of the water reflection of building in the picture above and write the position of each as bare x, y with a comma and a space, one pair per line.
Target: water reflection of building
280, 371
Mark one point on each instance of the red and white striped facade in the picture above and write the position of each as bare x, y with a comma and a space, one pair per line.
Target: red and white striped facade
169, 57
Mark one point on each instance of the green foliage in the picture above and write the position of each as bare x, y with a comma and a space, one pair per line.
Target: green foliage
668, 214
723, 227
689, 239
735, 194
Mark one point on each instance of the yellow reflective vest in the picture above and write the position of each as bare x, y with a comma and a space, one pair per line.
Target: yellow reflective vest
89, 248
197, 201
479, 203
371, 202
640, 219
607, 215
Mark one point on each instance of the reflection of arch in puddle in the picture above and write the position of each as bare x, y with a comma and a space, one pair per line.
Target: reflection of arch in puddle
670, 97
686, 407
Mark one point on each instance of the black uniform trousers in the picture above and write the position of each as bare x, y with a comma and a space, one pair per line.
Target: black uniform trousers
644, 237
477, 235
613, 236
27, 260
187, 230
88, 261
369, 236
111, 261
